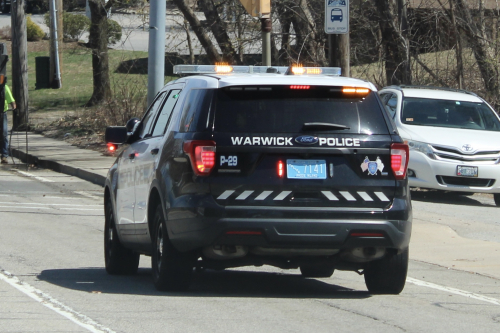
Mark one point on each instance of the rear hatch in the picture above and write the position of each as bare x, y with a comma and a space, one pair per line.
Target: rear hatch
302, 147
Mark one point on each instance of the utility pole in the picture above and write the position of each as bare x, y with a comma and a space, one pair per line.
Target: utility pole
156, 48
339, 53
19, 64
56, 38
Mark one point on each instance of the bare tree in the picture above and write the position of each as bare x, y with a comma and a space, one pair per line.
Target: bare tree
98, 41
394, 28
203, 37
220, 31
482, 47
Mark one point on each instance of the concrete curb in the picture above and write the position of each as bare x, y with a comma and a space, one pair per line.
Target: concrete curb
59, 167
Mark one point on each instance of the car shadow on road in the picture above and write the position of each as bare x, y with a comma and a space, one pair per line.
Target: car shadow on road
450, 198
207, 283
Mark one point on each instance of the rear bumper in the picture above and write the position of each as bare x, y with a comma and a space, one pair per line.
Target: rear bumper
195, 233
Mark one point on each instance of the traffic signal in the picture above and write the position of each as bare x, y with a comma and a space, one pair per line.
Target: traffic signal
257, 7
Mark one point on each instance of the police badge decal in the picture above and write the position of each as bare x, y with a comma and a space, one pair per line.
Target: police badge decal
372, 166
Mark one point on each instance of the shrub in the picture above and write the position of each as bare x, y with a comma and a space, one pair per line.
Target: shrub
33, 31
75, 26
114, 32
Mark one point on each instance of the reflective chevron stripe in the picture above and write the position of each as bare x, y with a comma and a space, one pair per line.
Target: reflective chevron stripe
348, 196
244, 195
263, 195
283, 194
225, 195
330, 196
365, 196
381, 196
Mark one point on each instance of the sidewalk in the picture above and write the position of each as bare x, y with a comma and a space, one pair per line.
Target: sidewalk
62, 157
430, 242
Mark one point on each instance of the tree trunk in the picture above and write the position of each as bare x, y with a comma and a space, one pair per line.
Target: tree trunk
19, 64
308, 48
219, 30
458, 48
479, 42
285, 19
212, 53
98, 40
394, 27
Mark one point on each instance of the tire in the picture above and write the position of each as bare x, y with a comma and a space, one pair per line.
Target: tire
118, 260
496, 197
387, 275
317, 271
172, 270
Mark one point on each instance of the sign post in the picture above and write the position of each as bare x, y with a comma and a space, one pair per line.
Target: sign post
337, 28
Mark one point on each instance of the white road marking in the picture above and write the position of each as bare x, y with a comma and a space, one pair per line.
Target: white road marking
453, 291
25, 207
53, 304
80, 209
47, 204
45, 180
88, 195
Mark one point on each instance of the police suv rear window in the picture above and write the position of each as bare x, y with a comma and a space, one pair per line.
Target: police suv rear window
285, 109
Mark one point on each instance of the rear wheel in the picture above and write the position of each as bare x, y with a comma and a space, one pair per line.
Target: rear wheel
387, 275
316, 270
496, 197
118, 259
172, 270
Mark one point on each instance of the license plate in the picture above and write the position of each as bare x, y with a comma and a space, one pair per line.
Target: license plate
306, 169
466, 171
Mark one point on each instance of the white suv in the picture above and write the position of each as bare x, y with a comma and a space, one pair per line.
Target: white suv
454, 138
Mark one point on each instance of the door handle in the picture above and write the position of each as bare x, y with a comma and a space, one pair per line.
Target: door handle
155, 151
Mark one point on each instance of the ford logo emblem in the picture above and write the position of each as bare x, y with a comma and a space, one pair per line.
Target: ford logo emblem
467, 147
306, 140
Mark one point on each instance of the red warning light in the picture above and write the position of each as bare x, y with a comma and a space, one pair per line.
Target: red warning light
111, 147
281, 169
300, 87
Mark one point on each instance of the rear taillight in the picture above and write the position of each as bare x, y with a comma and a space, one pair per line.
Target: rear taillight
281, 169
399, 159
202, 155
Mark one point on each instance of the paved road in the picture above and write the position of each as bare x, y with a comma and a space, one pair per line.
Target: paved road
135, 35
52, 278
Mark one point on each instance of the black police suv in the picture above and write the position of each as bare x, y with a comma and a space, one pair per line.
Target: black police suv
247, 169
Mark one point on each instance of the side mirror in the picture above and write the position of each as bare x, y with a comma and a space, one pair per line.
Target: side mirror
131, 124
116, 134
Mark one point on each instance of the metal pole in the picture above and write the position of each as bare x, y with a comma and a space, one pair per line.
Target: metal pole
57, 75
156, 48
266, 27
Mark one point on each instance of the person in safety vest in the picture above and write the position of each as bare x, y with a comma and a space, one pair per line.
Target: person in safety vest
4, 138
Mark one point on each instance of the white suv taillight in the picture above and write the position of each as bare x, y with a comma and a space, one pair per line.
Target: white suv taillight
399, 159
202, 155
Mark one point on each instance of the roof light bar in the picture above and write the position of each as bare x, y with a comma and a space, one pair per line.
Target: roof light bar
228, 69
299, 70
225, 69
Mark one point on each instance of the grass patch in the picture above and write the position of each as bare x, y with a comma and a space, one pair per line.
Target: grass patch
76, 78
